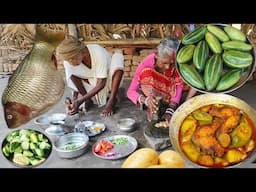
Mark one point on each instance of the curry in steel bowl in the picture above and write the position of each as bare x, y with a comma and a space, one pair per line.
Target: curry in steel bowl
215, 134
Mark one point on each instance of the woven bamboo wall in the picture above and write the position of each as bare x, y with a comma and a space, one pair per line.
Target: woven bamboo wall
136, 40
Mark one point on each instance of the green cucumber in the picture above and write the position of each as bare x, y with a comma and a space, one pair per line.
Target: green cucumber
229, 79
201, 54
191, 76
236, 45
194, 36
212, 72
237, 59
218, 32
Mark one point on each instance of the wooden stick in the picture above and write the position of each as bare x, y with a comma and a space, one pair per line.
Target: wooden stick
126, 42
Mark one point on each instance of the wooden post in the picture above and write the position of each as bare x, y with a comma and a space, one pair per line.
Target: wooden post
72, 30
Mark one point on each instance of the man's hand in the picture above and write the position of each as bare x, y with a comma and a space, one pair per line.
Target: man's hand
75, 106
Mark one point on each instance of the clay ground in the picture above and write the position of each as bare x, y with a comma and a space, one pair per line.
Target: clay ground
124, 109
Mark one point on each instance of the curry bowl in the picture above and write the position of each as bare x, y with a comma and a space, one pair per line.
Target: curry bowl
214, 130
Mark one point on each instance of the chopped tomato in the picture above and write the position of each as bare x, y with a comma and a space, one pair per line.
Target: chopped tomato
97, 148
103, 146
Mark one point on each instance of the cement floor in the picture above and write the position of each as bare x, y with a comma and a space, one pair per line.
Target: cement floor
124, 109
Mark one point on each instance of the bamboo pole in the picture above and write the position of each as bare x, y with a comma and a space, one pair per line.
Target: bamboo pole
72, 30
126, 42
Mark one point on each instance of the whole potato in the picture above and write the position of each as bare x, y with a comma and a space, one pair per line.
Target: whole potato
141, 158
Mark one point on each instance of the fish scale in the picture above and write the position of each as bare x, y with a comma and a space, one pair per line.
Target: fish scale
36, 85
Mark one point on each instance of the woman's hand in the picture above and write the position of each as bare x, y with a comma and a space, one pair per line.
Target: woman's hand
151, 102
167, 117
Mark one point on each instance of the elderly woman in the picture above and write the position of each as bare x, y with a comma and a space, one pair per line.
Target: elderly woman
92, 72
156, 77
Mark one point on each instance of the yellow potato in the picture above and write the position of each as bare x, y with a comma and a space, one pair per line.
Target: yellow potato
159, 166
171, 159
141, 158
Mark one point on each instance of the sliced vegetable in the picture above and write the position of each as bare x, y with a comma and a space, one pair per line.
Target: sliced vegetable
26, 147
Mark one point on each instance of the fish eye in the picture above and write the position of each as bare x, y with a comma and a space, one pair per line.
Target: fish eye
9, 116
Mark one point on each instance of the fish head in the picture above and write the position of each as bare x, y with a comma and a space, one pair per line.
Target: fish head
16, 114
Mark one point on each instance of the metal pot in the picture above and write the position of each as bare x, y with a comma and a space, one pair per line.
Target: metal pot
247, 72
80, 140
199, 101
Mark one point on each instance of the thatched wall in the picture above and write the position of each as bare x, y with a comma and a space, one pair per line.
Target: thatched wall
136, 40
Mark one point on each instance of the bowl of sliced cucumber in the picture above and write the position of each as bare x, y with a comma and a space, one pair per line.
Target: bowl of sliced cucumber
215, 58
26, 148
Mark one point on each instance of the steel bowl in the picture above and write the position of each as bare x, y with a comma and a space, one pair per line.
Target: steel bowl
126, 124
43, 121
246, 74
78, 141
54, 131
202, 100
19, 149
58, 117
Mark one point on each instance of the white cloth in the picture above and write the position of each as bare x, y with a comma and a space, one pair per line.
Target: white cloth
102, 66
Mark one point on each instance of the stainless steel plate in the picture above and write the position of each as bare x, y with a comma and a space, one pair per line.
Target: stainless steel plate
120, 149
90, 128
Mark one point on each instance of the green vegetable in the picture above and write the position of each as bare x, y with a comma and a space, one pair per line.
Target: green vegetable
6, 150
20, 159
213, 43
40, 137
119, 141
39, 152
70, 146
185, 54
44, 145
192, 76
32, 146
26, 147
237, 59
235, 34
28, 153
13, 146
33, 138
236, 45
218, 32
200, 56
194, 36
212, 72
36, 161
18, 150
229, 79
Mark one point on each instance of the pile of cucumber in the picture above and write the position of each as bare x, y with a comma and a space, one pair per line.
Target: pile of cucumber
213, 58
26, 147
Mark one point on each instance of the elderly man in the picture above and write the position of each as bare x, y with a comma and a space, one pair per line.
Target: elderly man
92, 72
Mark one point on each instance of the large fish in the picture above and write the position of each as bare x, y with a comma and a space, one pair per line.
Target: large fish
36, 85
